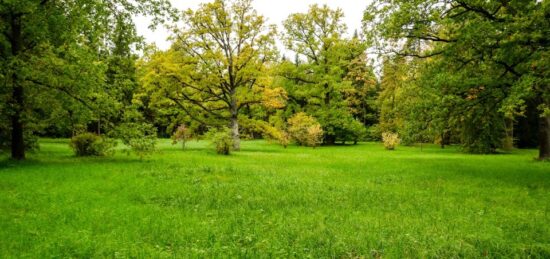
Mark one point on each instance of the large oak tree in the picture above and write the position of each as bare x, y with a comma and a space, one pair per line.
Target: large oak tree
217, 65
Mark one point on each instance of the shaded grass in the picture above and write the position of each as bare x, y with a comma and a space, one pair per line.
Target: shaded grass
266, 201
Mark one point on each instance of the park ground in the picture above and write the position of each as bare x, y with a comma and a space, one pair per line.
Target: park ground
267, 201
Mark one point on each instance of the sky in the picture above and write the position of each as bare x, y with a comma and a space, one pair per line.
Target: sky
276, 11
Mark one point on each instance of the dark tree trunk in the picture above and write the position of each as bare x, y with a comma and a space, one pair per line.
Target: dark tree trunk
17, 140
544, 137
234, 109
527, 127
330, 139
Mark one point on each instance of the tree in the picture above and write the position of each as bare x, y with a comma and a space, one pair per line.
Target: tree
316, 81
217, 65
361, 97
494, 54
51, 48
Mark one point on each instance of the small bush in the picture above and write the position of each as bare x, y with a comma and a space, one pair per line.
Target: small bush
222, 140
280, 136
283, 138
391, 140
89, 144
140, 137
314, 136
305, 130
182, 134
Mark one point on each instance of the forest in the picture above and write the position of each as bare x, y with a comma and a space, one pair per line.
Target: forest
429, 104
472, 73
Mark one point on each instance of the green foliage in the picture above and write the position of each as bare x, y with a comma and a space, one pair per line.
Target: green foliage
305, 130
330, 77
140, 137
391, 140
31, 141
90, 144
281, 136
57, 58
484, 59
484, 133
218, 64
222, 140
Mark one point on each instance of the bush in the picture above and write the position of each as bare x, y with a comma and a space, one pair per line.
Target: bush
339, 125
140, 137
273, 133
222, 140
89, 144
182, 134
305, 130
283, 138
391, 140
314, 136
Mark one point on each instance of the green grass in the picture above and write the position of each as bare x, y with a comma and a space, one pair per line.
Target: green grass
266, 201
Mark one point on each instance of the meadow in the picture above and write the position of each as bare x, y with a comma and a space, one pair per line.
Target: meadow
267, 201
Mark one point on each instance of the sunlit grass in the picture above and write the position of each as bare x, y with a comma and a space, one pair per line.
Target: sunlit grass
267, 201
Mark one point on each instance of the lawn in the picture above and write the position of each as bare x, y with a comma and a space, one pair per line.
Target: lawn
266, 201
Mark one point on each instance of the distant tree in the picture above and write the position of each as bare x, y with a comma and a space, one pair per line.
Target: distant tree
316, 81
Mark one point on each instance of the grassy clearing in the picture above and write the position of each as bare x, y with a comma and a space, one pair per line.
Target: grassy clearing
266, 201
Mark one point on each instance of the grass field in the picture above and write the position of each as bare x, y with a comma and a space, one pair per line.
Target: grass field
266, 201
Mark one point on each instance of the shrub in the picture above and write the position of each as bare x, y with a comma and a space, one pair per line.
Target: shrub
283, 138
182, 134
391, 140
222, 140
140, 137
89, 144
305, 130
339, 125
273, 133
314, 136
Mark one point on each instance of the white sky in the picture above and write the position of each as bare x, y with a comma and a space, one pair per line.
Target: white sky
276, 11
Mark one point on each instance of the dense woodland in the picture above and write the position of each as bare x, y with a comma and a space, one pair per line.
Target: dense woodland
469, 72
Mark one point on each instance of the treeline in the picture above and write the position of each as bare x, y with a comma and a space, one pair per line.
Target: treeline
473, 73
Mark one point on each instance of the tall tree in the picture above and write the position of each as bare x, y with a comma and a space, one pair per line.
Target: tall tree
217, 64
53, 46
494, 53
318, 78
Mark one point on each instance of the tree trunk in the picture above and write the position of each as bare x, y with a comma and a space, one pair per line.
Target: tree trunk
330, 139
17, 139
508, 142
235, 132
544, 137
